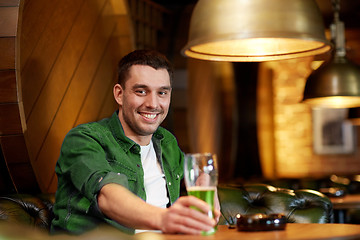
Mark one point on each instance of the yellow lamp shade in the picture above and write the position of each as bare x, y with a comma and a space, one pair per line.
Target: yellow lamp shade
255, 30
334, 85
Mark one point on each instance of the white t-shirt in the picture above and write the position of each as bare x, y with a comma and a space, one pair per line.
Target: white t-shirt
154, 178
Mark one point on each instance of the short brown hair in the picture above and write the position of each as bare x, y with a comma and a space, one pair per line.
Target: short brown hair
150, 58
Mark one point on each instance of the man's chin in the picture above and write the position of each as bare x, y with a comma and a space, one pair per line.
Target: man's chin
148, 128
147, 131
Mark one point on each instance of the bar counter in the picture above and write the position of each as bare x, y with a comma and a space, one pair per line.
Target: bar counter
293, 231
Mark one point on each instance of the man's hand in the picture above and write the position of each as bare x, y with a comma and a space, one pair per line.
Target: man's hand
180, 218
118, 203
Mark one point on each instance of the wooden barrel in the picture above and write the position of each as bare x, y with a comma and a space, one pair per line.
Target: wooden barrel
16, 170
57, 71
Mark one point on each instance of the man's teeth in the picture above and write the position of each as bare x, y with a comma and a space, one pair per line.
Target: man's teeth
150, 116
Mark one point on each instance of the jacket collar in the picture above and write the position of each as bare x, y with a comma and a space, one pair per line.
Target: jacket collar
126, 143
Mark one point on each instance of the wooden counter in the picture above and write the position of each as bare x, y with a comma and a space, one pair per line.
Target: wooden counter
293, 231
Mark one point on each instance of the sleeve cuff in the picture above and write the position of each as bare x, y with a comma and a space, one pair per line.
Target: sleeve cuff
110, 177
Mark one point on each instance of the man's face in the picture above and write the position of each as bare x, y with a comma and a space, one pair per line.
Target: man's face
144, 102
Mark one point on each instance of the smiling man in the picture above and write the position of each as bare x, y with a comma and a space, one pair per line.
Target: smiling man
126, 170
144, 101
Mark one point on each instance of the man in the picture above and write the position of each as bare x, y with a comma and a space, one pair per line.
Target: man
126, 170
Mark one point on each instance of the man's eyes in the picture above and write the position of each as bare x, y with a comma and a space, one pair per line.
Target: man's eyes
144, 92
163, 93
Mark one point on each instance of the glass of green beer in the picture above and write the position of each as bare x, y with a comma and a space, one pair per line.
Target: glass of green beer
201, 177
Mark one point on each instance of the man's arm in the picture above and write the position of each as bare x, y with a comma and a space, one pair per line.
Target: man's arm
119, 204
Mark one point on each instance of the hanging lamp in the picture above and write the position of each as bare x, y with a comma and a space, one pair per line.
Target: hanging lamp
255, 30
337, 83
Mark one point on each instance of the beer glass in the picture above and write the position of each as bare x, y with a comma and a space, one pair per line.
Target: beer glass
201, 179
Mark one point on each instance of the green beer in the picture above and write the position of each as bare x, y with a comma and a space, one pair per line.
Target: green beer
206, 194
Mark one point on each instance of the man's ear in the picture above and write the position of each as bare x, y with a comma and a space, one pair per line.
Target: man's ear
118, 93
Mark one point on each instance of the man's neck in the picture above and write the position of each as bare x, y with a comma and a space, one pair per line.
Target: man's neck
141, 140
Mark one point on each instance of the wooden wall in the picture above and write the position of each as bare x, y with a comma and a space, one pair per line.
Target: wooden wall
14, 162
64, 66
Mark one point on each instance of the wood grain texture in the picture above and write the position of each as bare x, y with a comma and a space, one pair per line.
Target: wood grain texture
8, 21
8, 93
36, 16
67, 75
18, 163
73, 96
16, 170
293, 231
73, 85
7, 50
51, 59
10, 119
65, 56
9, 3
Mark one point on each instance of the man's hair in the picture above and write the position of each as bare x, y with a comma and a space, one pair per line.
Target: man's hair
150, 58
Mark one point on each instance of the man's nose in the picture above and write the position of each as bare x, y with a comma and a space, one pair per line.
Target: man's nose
152, 101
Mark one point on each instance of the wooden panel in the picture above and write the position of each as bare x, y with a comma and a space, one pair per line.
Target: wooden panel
62, 75
119, 7
8, 21
6, 183
9, 3
109, 104
18, 163
53, 184
9, 109
24, 178
99, 89
10, 119
13, 147
121, 40
123, 30
8, 87
36, 16
7, 50
73, 98
93, 107
68, 51
78, 63
46, 58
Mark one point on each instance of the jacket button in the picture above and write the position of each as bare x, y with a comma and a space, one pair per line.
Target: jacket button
135, 149
169, 183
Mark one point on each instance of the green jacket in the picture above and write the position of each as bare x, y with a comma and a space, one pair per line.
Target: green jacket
99, 153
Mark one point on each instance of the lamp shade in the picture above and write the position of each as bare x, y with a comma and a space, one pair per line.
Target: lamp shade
334, 85
255, 30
